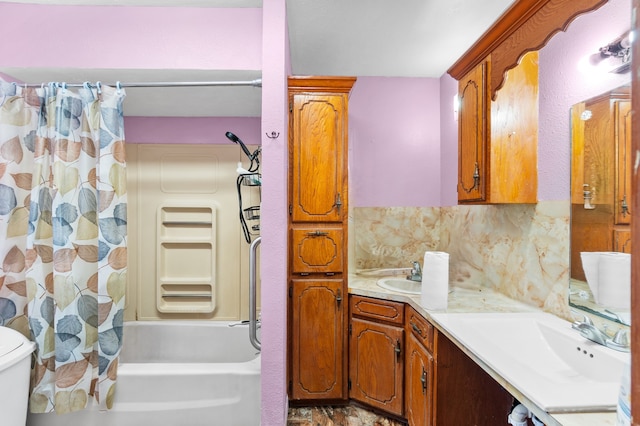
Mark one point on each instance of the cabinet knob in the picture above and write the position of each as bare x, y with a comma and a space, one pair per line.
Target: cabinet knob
398, 350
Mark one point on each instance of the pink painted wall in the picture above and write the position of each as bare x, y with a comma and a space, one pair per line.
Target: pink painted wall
191, 130
130, 37
273, 265
448, 142
394, 142
562, 85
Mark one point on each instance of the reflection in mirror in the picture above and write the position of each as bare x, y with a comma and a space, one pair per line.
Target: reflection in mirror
600, 200
569, 76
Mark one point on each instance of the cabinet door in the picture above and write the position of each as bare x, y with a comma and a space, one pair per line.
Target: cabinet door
376, 365
622, 111
464, 393
316, 249
512, 149
318, 158
318, 340
600, 155
472, 134
418, 383
622, 240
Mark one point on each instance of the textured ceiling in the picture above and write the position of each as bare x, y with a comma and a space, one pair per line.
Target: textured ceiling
391, 38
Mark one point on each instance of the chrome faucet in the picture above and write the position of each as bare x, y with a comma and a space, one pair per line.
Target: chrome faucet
416, 272
620, 341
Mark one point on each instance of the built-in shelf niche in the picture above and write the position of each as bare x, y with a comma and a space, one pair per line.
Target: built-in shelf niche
186, 256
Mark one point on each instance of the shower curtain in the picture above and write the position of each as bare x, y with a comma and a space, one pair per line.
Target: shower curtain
63, 228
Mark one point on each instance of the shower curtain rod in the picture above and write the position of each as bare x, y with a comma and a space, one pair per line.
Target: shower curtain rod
254, 83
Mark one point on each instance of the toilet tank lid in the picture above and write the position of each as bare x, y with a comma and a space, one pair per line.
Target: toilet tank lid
10, 340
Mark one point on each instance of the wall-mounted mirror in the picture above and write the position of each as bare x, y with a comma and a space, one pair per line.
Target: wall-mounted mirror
600, 204
584, 104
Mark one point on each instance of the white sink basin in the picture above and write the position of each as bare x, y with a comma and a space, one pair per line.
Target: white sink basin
401, 285
541, 356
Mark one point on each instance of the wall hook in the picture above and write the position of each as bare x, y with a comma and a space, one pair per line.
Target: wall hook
273, 135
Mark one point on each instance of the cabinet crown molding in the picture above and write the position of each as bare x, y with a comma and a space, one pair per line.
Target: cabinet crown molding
526, 26
321, 84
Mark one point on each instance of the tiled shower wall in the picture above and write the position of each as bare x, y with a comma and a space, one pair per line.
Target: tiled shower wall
519, 250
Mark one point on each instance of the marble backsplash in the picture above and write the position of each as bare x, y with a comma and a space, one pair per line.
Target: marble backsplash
521, 250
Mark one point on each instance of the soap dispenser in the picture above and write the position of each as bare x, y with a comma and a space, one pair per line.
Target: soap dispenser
588, 196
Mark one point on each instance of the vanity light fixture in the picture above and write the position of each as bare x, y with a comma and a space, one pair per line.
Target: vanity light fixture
615, 56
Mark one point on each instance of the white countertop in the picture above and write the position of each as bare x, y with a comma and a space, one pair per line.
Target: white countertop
477, 299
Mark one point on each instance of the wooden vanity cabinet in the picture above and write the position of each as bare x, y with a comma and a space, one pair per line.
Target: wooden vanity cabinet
419, 370
400, 363
317, 252
376, 353
465, 394
497, 140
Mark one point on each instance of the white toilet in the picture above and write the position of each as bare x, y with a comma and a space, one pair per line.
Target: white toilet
15, 364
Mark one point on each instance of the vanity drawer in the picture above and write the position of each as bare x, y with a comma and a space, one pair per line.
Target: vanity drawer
316, 249
420, 327
377, 309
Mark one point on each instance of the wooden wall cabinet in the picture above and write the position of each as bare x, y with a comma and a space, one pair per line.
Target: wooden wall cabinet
498, 95
601, 170
376, 353
498, 140
318, 206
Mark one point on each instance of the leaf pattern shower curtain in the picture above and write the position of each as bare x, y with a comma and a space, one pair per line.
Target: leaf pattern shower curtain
63, 228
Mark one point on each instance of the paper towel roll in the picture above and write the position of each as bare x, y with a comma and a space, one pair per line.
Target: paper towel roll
614, 280
435, 280
590, 260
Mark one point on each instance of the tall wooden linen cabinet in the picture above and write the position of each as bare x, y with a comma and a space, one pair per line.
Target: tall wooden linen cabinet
318, 212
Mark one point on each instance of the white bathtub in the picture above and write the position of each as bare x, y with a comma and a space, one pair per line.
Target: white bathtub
178, 373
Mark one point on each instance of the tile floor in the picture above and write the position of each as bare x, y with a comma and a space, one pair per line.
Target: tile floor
337, 416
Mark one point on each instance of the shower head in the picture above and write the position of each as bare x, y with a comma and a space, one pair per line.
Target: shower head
233, 138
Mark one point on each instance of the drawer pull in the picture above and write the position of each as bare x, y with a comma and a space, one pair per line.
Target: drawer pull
317, 234
416, 328
339, 297
423, 379
398, 350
